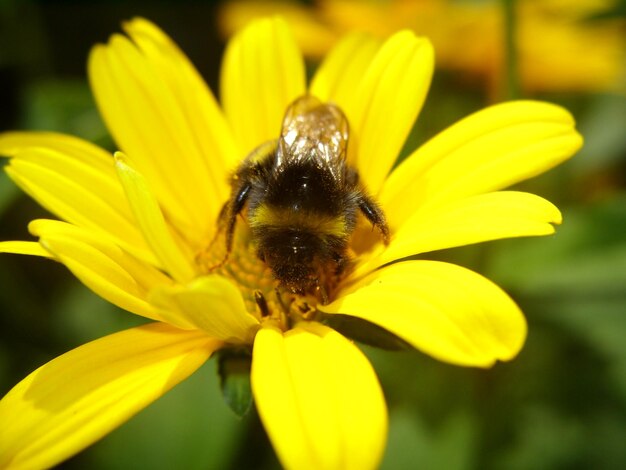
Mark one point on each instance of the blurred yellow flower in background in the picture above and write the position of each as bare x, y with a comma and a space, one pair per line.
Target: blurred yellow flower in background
134, 226
560, 46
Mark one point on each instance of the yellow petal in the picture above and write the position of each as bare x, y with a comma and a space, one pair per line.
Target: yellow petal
161, 114
344, 66
210, 303
389, 98
449, 312
475, 219
335, 79
76, 181
489, 150
312, 34
11, 143
202, 127
152, 223
102, 266
77, 398
24, 248
319, 399
262, 73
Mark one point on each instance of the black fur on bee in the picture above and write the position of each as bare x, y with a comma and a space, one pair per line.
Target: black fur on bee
302, 198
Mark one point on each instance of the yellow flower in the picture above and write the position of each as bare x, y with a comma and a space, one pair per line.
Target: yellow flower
137, 229
469, 36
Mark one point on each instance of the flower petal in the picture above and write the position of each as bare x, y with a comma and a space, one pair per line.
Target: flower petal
203, 127
449, 312
312, 34
319, 399
77, 398
489, 150
102, 266
24, 248
209, 303
344, 66
76, 181
162, 114
11, 143
152, 223
389, 98
262, 73
475, 219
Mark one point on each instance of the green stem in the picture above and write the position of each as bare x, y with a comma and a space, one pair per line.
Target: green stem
510, 83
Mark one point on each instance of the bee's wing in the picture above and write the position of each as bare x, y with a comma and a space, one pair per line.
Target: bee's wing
316, 131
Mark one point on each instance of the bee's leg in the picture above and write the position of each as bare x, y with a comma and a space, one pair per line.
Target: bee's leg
239, 200
221, 218
220, 228
221, 221
229, 214
375, 215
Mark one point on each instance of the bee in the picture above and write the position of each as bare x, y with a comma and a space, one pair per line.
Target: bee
302, 199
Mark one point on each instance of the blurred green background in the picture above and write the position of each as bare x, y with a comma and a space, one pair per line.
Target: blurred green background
561, 404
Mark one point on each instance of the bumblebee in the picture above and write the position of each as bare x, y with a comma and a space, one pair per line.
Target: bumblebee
302, 199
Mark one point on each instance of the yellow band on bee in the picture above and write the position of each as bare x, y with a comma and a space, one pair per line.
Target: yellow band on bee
265, 216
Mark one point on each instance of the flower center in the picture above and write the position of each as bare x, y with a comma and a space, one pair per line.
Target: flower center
262, 294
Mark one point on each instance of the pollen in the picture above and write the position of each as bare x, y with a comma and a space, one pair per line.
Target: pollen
253, 277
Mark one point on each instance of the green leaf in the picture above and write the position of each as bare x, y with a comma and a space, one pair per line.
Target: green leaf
585, 258
603, 128
234, 371
413, 443
64, 106
8, 192
601, 323
189, 428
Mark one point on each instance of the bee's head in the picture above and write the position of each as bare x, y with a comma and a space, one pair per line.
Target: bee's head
294, 257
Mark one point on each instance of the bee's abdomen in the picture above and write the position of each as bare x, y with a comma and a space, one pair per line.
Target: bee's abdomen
266, 217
